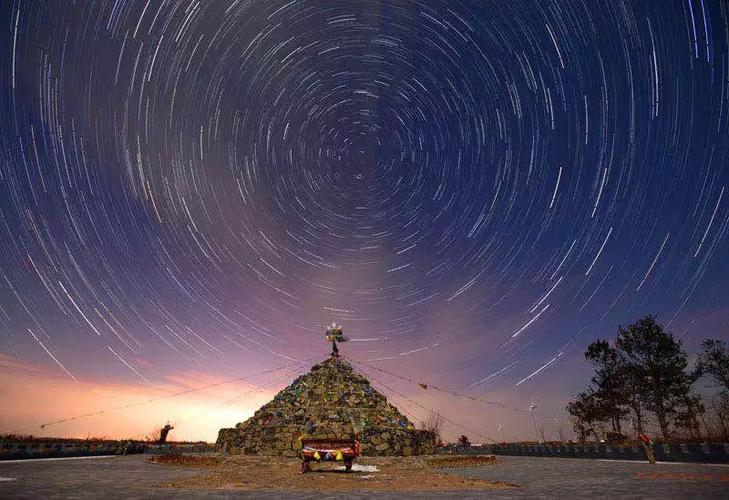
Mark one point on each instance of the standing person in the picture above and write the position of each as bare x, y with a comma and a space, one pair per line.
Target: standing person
648, 448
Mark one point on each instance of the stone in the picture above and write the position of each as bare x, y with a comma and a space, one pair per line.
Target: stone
331, 401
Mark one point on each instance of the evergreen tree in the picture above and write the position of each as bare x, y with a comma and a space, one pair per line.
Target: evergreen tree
611, 390
657, 365
584, 414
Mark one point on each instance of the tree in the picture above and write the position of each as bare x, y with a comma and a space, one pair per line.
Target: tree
634, 401
612, 392
560, 431
434, 424
714, 361
721, 410
656, 364
688, 414
584, 413
464, 442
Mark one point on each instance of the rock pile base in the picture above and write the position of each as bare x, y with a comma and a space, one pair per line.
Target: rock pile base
331, 401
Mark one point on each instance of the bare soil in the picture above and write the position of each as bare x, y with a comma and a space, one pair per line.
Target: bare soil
256, 473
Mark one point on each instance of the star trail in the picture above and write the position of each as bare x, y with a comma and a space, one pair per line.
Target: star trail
475, 190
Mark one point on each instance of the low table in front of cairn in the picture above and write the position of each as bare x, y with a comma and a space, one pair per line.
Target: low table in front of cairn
313, 450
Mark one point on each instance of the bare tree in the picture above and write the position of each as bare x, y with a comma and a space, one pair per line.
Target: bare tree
560, 431
721, 411
714, 362
434, 423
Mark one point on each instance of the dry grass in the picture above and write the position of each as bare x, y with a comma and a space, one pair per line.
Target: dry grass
29, 438
456, 461
188, 460
253, 473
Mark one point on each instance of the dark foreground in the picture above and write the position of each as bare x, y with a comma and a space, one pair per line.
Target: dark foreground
134, 476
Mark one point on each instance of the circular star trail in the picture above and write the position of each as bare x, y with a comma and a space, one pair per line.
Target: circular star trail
475, 190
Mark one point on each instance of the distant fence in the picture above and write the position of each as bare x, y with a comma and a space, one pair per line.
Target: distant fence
664, 452
18, 450
14, 450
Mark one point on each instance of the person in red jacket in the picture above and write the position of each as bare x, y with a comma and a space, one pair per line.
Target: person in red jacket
647, 447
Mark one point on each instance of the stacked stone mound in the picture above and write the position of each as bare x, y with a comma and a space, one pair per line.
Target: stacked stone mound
332, 401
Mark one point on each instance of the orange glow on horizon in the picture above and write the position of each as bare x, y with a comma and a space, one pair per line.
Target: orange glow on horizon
33, 395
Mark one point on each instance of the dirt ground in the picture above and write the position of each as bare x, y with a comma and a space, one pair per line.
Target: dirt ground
254, 473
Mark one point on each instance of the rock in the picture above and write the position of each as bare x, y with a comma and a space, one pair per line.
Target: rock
331, 401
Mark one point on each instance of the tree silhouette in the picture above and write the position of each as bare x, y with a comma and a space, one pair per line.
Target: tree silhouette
434, 424
714, 361
584, 413
611, 390
645, 371
687, 416
656, 365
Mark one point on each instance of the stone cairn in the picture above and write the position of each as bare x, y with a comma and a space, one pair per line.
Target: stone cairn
332, 401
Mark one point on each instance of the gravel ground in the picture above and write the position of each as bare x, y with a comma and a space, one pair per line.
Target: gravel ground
575, 477
135, 477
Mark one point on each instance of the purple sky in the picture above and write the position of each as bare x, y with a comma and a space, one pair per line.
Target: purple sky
475, 190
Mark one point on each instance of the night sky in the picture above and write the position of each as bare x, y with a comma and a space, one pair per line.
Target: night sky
475, 190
